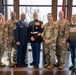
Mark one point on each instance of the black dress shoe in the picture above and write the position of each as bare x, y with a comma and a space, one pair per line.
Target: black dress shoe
33, 63
25, 64
19, 65
36, 66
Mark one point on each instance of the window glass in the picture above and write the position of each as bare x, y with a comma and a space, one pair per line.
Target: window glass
42, 12
35, 2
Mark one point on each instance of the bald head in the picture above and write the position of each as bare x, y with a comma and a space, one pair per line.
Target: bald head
13, 15
35, 15
23, 16
61, 14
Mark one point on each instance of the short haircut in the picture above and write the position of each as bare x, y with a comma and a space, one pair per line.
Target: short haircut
49, 13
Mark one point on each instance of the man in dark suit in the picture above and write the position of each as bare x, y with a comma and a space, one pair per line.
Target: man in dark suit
20, 33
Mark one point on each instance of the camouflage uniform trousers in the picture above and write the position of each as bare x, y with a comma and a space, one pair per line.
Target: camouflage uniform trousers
61, 52
49, 51
1, 52
11, 53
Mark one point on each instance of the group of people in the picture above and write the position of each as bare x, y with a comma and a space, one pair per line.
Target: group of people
57, 37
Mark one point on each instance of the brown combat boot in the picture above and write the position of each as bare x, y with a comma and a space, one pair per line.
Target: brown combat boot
50, 66
46, 65
61, 66
57, 64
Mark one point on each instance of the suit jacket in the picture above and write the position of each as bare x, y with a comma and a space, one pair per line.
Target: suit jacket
20, 32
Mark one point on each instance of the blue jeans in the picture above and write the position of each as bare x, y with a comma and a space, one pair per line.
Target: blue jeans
36, 52
73, 51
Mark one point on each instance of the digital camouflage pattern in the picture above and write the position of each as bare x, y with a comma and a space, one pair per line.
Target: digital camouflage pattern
1, 41
63, 34
10, 41
50, 32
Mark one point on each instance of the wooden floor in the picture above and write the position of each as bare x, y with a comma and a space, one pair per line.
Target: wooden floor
39, 71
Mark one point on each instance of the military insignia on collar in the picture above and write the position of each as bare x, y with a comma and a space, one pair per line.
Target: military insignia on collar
37, 23
15, 26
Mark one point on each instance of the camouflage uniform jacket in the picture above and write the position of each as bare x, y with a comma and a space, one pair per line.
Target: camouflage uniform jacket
1, 32
63, 29
50, 32
9, 30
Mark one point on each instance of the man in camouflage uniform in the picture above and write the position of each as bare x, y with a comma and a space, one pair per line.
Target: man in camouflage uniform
63, 33
1, 39
49, 37
9, 39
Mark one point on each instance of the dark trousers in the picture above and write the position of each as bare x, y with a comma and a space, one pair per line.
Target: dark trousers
21, 53
73, 51
36, 52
